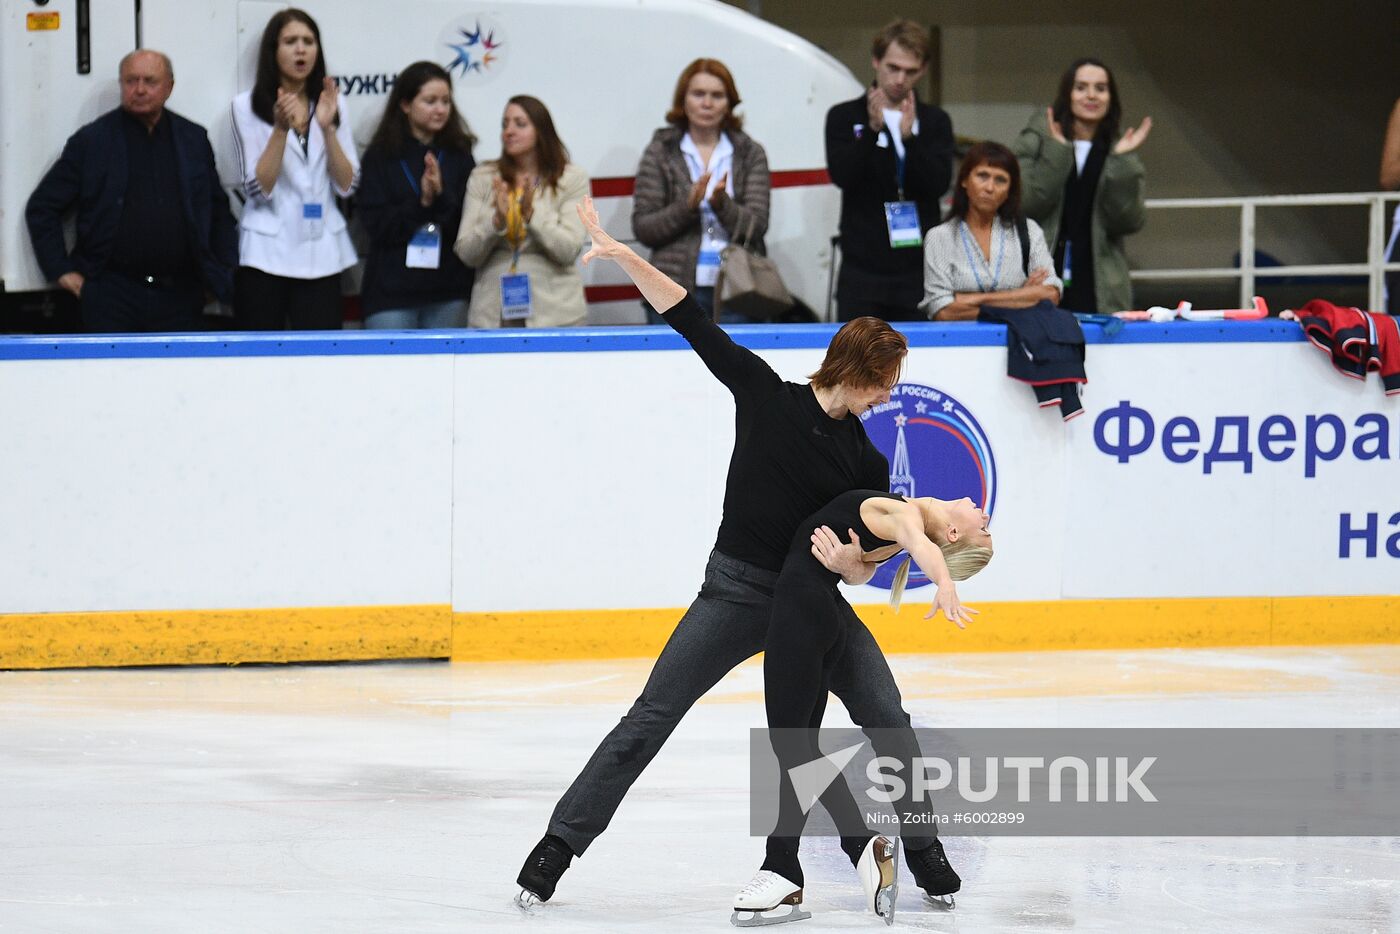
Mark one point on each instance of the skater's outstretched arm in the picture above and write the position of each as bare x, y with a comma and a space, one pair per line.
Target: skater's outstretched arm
741, 370
656, 287
903, 524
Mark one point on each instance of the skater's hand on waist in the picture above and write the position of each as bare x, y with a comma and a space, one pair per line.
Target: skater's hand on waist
946, 599
839, 558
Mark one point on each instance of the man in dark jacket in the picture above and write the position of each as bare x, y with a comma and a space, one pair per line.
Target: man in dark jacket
892, 158
155, 235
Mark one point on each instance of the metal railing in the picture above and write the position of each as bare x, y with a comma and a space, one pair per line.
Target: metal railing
1374, 268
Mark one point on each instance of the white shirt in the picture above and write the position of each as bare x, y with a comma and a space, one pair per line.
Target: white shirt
272, 233
1081, 154
892, 123
713, 236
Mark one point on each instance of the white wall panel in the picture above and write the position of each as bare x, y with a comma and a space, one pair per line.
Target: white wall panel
212, 483
559, 480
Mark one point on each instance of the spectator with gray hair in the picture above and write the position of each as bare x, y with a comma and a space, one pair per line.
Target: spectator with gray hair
154, 233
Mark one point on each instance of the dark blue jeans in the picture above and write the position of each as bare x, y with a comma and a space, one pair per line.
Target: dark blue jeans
727, 623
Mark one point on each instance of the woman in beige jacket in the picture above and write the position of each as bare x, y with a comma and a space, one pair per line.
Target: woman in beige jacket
520, 229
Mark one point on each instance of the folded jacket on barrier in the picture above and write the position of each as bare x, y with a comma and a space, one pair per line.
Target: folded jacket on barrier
1045, 348
1357, 341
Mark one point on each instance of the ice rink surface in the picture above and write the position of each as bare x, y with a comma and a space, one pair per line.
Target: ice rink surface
403, 797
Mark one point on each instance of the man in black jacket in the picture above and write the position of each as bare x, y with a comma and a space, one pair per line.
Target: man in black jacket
155, 235
892, 158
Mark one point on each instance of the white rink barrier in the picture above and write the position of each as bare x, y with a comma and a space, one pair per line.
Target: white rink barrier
508, 475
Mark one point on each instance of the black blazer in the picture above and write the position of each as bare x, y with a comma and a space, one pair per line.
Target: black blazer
91, 175
866, 174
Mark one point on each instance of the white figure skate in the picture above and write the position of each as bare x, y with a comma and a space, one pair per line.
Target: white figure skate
768, 899
879, 876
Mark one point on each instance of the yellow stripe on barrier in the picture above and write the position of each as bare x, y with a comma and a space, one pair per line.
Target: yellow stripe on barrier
556, 635
224, 637
1178, 622
216, 637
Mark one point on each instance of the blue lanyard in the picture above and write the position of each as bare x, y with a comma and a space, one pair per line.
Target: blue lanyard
413, 182
967, 248
899, 160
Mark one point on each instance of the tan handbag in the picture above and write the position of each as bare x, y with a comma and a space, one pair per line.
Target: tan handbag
748, 282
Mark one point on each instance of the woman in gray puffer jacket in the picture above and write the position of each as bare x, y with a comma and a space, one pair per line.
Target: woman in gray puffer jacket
702, 182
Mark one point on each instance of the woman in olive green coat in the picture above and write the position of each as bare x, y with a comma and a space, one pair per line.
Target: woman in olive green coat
1084, 185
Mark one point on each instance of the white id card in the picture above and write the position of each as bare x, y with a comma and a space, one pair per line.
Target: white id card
711, 245
902, 219
313, 221
425, 249
707, 264
515, 296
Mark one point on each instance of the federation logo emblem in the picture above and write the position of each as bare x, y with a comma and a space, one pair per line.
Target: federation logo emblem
476, 49
935, 448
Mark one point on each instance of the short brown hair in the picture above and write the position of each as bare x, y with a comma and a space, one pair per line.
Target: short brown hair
998, 157
865, 353
907, 33
705, 66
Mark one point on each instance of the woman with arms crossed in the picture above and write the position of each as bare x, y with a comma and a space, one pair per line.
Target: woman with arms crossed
974, 258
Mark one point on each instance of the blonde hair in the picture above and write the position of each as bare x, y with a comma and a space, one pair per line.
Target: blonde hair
963, 559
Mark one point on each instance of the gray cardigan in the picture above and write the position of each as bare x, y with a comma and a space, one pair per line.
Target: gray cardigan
662, 220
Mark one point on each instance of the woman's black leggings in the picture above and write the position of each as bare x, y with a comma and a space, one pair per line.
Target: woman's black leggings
806, 636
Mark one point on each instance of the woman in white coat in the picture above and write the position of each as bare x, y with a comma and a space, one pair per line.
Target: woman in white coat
520, 229
296, 156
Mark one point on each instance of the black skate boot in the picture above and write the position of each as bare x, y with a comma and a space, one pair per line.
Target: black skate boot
934, 875
541, 872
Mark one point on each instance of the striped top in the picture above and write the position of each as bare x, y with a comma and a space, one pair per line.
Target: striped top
953, 262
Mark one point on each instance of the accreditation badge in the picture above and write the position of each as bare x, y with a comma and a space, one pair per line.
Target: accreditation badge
313, 220
425, 248
902, 219
515, 296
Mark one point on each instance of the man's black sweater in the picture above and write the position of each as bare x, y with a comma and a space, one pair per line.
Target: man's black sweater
790, 458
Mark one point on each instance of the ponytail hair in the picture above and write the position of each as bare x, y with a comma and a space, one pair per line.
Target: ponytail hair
962, 557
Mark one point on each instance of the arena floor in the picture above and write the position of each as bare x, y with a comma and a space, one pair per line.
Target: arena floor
403, 797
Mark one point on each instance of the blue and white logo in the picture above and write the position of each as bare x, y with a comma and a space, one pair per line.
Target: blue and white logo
935, 448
